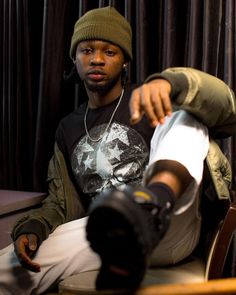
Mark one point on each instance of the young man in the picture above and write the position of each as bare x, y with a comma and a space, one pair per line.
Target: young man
137, 176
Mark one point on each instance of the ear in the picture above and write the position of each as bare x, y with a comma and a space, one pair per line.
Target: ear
125, 65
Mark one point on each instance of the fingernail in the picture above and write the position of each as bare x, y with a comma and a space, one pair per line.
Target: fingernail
162, 121
135, 116
154, 123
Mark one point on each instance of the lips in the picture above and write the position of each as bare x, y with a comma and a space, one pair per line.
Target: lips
96, 75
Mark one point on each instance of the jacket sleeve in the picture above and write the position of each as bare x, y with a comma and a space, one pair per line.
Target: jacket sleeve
220, 173
61, 205
205, 96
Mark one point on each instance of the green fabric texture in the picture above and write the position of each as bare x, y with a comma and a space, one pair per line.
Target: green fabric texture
105, 24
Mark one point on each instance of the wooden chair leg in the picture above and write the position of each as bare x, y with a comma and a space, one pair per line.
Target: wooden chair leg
222, 244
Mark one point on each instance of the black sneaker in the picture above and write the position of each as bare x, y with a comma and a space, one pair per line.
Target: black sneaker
123, 228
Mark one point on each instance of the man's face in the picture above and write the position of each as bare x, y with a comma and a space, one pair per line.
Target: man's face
99, 64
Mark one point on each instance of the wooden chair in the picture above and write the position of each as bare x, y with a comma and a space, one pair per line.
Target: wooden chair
195, 273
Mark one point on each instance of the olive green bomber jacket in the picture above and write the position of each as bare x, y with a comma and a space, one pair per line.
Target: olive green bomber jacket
61, 205
206, 97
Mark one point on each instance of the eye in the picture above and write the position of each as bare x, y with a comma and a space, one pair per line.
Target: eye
86, 50
110, 52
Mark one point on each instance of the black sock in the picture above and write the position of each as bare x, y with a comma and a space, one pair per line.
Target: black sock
165, 196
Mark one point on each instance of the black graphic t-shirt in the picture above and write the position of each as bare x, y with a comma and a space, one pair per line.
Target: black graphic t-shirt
119, 157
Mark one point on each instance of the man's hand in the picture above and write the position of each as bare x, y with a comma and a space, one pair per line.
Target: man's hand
25, 248
153, 100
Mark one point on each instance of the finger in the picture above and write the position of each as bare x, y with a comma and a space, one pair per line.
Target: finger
161, 100
166, 103
28, 263
33, 245
135, 107
22, 251
148, 107
158, 108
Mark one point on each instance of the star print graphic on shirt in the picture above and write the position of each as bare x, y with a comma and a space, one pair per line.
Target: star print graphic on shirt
120, 157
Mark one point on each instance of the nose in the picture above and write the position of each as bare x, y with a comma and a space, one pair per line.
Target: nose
97, 58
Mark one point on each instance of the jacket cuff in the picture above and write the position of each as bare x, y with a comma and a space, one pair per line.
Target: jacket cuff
31, 227
178, 81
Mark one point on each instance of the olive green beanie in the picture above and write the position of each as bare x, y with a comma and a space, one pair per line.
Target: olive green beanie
103, 24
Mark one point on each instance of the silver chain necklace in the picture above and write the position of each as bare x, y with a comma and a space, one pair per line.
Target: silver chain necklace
109, 123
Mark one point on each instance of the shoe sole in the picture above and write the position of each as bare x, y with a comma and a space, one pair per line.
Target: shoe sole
117, 231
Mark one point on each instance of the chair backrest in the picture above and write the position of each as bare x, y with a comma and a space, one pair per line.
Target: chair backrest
221, 244
218, 228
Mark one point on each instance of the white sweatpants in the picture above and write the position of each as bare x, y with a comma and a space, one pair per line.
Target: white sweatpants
185, 140
67, 252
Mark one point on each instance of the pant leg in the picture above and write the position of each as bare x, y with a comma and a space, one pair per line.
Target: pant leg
64, 253
184, 139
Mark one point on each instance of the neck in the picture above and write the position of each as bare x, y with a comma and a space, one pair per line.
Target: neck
96, 99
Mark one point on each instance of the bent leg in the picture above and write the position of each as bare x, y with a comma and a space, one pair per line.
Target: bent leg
184, 140
64, 253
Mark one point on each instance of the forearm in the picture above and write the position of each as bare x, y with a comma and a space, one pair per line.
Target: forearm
33, 224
